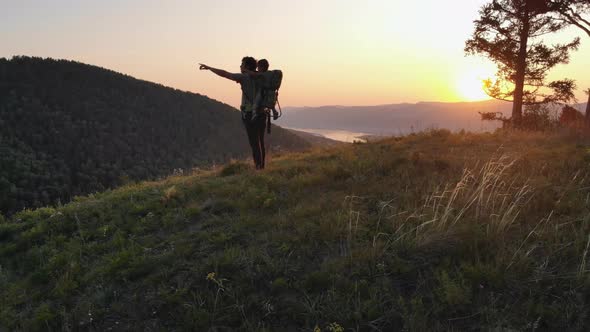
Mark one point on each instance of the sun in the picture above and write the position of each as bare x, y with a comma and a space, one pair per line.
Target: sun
471, 89
470, 83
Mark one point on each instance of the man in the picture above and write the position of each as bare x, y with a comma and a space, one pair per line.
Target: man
254, 127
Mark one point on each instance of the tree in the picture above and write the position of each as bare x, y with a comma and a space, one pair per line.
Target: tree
588, 108
510, 33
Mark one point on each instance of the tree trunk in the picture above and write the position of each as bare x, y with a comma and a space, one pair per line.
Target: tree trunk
520, 69
588, 110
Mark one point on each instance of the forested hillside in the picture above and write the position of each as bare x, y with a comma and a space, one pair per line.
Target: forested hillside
68, 128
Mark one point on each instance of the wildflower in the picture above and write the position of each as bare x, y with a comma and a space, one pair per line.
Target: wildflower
335, 327
317, 329
211, 276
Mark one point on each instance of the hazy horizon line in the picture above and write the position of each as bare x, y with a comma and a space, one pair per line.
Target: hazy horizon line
12, 57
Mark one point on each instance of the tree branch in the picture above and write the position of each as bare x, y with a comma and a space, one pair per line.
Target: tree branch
499, 7
573, 18
580, 18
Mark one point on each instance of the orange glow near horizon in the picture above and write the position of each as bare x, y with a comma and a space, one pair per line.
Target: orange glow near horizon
470, 82
470, 87
348, 52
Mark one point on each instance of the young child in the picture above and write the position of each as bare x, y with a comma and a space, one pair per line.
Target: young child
263, 77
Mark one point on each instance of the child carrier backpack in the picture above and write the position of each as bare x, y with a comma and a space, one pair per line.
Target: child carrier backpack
270, 92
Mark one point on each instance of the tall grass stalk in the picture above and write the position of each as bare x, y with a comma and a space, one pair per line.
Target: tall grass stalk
582, 269
544, 220
483, 195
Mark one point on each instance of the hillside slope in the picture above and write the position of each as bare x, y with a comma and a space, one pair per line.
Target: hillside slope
434, 231
68, 128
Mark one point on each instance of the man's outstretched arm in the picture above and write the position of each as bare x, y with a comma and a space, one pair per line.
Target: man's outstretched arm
219, 72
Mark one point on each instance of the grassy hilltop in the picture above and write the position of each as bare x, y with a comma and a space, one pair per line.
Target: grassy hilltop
434, 231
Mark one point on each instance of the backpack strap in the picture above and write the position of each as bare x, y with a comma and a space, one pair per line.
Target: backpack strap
279, 105
268, 122
250, 100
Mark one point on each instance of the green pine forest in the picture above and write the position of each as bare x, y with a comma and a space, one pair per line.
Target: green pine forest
69, 129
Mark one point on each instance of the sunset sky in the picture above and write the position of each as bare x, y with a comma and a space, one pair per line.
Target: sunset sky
331, 51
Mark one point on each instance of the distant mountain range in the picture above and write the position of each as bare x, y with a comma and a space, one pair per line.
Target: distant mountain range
398, 119
67, 129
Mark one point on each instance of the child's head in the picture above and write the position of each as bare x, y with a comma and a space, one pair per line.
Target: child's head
262, 65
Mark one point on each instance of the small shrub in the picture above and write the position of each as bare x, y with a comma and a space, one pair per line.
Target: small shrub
439, 133
335, 327
482, 275
44, 318
537, 118
172, 194
571, 118
193, 212
336, 172
453, 291
234, 168
413, 312
317, 281
219, 207
279, 285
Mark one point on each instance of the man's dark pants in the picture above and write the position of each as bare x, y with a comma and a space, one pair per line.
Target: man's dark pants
255, 130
